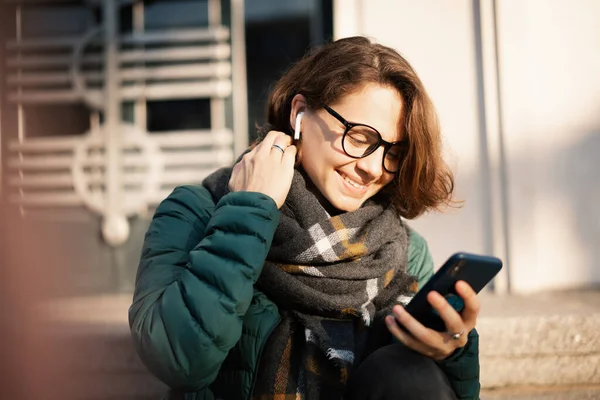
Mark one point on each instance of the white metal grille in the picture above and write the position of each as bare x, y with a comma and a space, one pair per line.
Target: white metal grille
118, 169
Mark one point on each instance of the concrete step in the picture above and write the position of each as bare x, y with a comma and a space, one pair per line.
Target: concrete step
104, 362
540, 347
543, 339
543, 393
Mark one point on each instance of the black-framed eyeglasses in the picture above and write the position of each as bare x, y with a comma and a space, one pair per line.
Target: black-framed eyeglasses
361, 140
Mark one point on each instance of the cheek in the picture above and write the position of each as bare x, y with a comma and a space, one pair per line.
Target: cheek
320, 156
385, 181
309, 152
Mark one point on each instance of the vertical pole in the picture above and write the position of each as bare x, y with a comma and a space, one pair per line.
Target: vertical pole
217, 105
116, 227
238, 64
140, 108
1, 104
491, 114
95, 171
20, 109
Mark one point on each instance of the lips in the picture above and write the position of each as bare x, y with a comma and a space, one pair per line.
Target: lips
353, 187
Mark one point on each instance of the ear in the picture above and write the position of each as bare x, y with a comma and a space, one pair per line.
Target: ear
298, 108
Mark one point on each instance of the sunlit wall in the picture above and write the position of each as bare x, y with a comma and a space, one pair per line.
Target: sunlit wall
525, 147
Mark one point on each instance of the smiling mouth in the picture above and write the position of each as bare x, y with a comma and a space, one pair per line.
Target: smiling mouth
353, 183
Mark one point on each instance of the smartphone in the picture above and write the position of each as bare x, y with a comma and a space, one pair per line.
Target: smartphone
476, 270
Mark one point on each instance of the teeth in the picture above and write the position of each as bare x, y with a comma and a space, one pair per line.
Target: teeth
351, 182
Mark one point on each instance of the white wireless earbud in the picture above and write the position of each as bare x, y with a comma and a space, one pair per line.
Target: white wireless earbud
298, 122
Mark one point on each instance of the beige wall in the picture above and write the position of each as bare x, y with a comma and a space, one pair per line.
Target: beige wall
549, 64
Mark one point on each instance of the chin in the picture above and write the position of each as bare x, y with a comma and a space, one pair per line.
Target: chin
347, 206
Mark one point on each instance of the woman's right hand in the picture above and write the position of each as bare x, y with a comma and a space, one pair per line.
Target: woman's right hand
266, 169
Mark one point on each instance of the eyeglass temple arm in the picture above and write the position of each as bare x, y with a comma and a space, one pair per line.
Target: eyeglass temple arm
337, 116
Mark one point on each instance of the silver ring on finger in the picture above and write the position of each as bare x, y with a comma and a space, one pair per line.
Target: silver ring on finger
278, 147
456, 336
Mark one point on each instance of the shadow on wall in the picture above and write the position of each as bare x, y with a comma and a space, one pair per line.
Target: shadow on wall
578, 173
554, 215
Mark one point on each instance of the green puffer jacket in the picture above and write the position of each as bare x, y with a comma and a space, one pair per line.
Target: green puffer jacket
197, 321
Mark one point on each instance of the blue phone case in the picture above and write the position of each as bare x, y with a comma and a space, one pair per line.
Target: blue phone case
476, 270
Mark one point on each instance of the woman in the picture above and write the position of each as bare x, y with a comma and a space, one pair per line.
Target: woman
282, 276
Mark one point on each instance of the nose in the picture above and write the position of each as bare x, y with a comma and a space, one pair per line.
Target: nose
372, 164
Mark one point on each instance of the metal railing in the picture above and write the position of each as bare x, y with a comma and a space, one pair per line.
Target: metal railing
118, 169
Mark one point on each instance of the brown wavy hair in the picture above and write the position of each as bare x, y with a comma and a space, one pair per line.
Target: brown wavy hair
327, 73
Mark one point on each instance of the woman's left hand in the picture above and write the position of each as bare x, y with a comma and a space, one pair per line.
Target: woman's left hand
431, 343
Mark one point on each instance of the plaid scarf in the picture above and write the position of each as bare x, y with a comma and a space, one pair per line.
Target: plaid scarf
334, 279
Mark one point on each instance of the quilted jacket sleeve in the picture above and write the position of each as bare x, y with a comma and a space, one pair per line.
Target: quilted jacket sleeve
462, 367
194, 284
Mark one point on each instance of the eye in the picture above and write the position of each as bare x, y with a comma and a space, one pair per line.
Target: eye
358, 139
396, 152
362, 136
392, 155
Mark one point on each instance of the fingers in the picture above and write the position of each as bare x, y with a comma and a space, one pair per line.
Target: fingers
289, 157
281, 144
283, 150
267, 169
270, 139
472, 304
275, 143
234, 176
277, 148
452, 319
406, 339
421, 339
437, 345
416, 329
